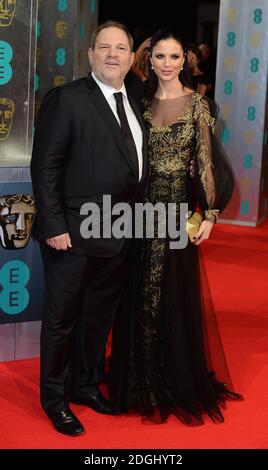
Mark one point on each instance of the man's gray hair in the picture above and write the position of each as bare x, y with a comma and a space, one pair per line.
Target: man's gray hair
111, 24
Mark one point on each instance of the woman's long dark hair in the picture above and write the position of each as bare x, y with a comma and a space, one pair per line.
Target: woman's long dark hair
184, 75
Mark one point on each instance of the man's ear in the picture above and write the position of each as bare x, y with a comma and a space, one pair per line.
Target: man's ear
132, 58
90, 53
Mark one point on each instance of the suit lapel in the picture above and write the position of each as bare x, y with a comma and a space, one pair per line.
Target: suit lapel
107, 115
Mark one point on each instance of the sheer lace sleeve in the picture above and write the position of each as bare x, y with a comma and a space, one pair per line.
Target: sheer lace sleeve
215, 181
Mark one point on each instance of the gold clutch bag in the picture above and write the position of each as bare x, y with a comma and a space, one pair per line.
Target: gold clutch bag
193, 224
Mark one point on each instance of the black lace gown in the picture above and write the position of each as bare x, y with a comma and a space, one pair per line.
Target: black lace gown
167, 356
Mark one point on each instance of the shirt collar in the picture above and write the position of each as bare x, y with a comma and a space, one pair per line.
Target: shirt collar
108, 90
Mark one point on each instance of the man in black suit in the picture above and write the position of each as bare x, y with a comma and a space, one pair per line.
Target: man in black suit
81, 152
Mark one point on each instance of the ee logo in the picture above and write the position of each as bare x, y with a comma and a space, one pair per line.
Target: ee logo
62, 5
244, 210
60, 56
251, 113
228, 87
231, 38
6, 54
225, 135
254, 65
14, 297
92, 7
248, 158
257, 16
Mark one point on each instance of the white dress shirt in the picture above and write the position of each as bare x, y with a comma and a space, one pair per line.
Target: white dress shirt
134, 125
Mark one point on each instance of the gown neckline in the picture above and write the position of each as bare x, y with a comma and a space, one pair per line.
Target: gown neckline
148, 113
174, 98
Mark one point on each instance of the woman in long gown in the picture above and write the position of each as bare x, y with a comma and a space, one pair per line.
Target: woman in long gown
167, 356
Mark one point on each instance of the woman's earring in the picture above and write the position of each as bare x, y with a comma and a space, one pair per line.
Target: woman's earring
152, 67
182, 67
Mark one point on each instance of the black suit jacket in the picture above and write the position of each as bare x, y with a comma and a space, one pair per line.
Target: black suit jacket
78, 156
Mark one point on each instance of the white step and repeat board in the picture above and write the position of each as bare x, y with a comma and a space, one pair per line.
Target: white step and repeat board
241, 91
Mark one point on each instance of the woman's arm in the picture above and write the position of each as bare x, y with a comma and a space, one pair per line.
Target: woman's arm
205, 169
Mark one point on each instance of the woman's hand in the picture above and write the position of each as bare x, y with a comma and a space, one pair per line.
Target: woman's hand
203, 232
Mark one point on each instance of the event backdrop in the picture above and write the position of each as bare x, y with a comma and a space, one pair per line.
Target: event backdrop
58, 38
63, 35
241, 91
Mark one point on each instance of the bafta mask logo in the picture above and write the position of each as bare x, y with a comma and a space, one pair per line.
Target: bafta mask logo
61, 29
7, 11
36, 108
59, 80
7, 109
16, 219
38, 55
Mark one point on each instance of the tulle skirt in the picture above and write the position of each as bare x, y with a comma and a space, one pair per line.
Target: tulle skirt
167, 356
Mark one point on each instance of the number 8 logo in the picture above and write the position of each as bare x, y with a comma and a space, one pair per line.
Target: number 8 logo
60, 56
62, 5
6, 54
257, 16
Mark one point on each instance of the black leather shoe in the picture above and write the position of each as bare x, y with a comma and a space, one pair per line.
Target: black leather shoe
96, 401
66, 422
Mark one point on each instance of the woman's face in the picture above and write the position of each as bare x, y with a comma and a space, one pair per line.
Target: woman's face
167, 59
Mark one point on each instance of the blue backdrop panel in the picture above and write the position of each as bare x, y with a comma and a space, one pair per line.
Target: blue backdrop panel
17, 46
62, 30
21, 279
241, 91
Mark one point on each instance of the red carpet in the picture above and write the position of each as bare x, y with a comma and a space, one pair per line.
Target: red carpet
237, 266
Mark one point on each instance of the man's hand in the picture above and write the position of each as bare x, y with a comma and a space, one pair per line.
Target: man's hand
203, 232
192, 169
61, 242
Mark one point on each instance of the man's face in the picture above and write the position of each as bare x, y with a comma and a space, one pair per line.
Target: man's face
16, 222
7, 11
111, 57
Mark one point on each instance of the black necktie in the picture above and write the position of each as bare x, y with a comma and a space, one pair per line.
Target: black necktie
126, 131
